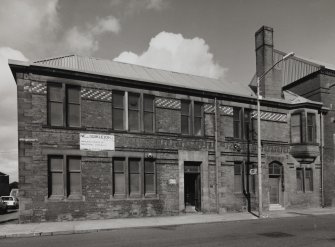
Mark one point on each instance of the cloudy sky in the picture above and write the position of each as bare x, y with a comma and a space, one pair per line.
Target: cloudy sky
213, 38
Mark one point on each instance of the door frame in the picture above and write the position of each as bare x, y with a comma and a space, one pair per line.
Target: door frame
277, 170
194, 156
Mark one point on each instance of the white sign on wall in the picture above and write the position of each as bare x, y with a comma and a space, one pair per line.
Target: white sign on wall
97, 142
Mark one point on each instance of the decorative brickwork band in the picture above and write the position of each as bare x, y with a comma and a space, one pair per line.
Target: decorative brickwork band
270, 116
96, 94
167, 103
209, 108
36, 88
226, 110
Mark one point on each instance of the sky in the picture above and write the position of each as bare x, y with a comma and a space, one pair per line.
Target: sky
212, 38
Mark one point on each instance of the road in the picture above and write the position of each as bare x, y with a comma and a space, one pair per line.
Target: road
11, 216
298, 231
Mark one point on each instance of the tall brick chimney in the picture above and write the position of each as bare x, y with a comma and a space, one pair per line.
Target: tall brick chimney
269, 87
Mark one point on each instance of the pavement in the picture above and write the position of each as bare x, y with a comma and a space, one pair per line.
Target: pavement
74, 227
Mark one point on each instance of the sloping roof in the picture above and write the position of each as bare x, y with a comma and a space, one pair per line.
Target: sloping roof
292, 69
295, 98
145, 74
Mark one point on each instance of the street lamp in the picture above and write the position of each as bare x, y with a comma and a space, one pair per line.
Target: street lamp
259, 146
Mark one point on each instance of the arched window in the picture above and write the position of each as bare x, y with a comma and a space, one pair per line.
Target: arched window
275, 169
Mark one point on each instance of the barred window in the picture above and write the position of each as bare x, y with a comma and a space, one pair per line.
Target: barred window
238, 186
118, 176
149, 179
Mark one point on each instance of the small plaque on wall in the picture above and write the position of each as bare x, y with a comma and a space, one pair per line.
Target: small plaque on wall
97, 142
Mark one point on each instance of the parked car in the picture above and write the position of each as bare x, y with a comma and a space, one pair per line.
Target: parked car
11, 201
3, 207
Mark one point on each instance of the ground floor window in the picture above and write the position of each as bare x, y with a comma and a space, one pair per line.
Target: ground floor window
133, 177
64, 175
304, 178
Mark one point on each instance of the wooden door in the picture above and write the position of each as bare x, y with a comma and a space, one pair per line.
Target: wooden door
274, 190
197, 196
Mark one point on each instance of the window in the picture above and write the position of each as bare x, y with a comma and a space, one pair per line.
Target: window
134, 176
304, 179
185, 117
238, 177
118, 110
134, 112
58, 115
308, 179
237, 122
55, 105
300, 182
149, 178
73, 106
311, 128
247, 130
74, 175
61, 174
296, 128
118, 176
148, 113
139, 178
198, 126
56, 183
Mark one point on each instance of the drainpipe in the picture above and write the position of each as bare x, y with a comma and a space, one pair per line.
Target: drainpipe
217, 155
321, 159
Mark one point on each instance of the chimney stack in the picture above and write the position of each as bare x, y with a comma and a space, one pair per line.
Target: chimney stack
269, 87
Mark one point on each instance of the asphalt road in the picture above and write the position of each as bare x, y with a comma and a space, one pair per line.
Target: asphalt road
11, 217
298, 231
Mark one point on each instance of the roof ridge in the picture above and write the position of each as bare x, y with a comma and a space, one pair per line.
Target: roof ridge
54, 58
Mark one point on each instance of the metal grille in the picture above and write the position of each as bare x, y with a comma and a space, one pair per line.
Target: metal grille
36, 88
96, 94
168, 103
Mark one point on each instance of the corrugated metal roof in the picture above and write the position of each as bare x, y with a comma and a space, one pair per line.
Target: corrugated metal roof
146, 74
292, 69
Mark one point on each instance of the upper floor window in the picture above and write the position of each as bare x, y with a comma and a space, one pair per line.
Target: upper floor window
197, 119
192, 118
118, 110
63, 105
148, 113
247, 123
311, 128
296, 128
134, 111
237, 122
185, 117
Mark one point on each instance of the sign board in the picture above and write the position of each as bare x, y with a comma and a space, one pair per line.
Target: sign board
172, 181
97, 142
253, 171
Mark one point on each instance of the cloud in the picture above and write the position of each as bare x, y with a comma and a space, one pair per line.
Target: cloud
24, 24
84, 40
8, 111
156, 4
173, 52
130, 7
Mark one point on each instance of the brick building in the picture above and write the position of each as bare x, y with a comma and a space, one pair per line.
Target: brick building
102, 139
315, 81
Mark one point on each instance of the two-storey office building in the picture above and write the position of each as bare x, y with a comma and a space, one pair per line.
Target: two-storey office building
102, 139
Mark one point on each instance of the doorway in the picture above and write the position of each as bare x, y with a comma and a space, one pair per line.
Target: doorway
192, 183
275, 180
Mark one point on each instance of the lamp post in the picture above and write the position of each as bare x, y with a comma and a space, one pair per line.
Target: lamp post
259, 146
